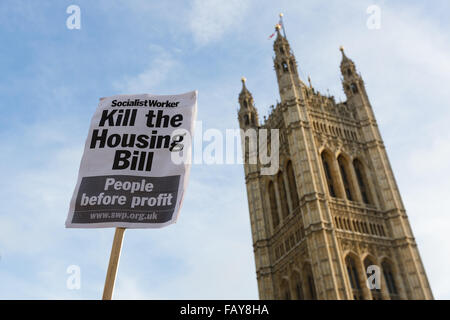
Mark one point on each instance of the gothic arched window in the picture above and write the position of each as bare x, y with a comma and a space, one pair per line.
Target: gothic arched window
283, 197
285, 66
343, 167
390, 281
347, 225
354, 88
354, 278
292, 186
362, 181
299, 291
366, 230
284, 290
328, 174
273, 205
298, 286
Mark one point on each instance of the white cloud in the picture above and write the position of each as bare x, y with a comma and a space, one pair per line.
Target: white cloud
160, 69
209, 20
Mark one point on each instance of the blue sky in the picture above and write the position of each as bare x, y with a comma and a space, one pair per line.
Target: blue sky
52, 78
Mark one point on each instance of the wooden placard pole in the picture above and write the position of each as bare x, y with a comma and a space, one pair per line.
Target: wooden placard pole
113, 264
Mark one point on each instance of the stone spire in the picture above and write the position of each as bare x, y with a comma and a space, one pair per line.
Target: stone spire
248, 115
351, 80
286, 68
345, 59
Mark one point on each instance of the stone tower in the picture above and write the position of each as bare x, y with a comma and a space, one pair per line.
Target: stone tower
332, 216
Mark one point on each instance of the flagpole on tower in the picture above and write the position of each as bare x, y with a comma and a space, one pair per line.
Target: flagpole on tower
282, 24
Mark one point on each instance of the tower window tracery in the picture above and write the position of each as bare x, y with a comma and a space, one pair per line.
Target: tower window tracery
282, 192
362, 181
354, 278
273, 205
331, 181
292, 185
390, 281
345, 178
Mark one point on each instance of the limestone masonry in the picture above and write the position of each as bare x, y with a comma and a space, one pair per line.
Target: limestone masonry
333, 212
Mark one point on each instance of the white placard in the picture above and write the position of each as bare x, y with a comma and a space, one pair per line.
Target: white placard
128, 177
